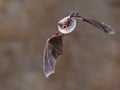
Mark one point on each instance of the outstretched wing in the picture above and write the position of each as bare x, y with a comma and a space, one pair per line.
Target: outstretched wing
53, 48
106, 28
100, 25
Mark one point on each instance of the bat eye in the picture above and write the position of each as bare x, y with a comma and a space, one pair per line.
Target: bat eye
68, 27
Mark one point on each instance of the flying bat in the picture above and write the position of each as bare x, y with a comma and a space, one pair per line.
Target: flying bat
54, 44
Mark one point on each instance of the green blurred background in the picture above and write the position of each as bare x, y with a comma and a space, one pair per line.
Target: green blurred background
92, 57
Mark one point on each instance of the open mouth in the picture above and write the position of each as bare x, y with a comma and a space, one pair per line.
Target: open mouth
65, 27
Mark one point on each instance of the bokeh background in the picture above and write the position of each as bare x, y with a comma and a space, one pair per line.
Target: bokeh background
92, 57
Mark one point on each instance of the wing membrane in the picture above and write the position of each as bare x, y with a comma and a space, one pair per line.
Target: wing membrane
54, 48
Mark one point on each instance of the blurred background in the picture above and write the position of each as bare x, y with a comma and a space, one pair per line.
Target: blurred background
92, 57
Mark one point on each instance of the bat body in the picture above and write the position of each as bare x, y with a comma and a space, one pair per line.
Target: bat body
54, 44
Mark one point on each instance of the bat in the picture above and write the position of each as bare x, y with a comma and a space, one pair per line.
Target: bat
54, 45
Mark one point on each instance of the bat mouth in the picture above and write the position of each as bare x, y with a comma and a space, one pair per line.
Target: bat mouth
67, 25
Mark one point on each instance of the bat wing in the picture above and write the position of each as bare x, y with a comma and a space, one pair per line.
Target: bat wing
53, 48
100, 25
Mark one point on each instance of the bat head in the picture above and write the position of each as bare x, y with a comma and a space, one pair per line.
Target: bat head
67, 25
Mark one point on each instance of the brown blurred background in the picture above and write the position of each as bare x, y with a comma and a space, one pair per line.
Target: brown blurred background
91, 60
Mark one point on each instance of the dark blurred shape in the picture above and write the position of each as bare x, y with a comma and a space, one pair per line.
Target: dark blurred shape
115, 3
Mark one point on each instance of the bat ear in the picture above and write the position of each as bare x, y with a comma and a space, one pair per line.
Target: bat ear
54, 48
